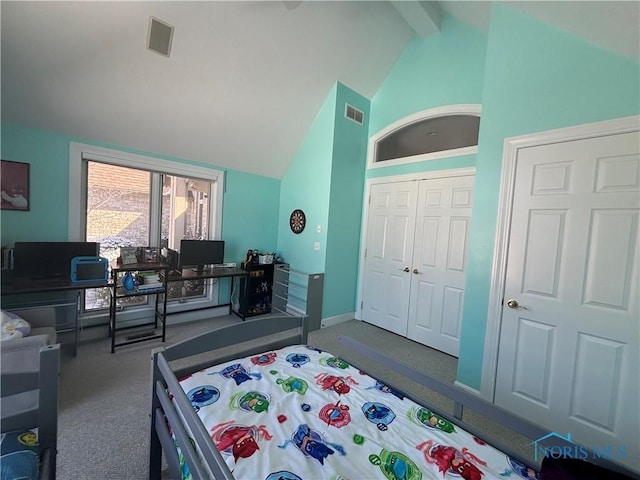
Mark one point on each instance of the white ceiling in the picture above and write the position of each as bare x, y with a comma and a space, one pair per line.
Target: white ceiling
244, 80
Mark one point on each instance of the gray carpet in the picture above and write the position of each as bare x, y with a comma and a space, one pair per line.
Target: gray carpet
105, 398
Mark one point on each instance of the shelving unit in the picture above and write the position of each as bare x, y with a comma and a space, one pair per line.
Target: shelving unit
118, 292
298, 292
256, 290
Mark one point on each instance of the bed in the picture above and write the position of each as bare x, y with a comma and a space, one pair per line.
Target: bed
265, 405
29, 434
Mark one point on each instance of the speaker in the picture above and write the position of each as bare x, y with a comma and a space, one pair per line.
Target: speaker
172, 258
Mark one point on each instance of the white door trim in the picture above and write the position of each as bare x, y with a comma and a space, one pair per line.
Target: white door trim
454, 172
498, 270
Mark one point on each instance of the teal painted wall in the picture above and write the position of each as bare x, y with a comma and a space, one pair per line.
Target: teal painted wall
536, 78
345, 205
250, 215
306, 185
326, 180
442, 69
528, 77
250, 203
48, 157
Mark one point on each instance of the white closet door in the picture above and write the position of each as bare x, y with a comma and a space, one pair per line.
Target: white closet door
387, 277
570, 334
443, 220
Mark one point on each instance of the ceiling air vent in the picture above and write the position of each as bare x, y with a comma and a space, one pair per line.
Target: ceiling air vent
160, 36
353, 113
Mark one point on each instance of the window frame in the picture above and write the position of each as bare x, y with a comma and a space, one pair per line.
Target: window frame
80, 153
447, 110
77, 181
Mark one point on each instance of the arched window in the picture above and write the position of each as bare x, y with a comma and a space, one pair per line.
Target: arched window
436, 133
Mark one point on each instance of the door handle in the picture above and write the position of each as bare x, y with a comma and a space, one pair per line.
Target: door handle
415, 271
405, 269
515, 305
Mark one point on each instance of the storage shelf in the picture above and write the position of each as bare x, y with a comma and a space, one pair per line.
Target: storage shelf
117, 292
122, 293
256, 290
298, 291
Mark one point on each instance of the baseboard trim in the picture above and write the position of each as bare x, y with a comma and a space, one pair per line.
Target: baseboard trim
194, 315
100, 332
335, 320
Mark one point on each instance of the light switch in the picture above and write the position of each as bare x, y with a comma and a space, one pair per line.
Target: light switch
316, 245
318, 228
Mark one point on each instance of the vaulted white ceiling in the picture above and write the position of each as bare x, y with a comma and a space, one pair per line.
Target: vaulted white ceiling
244, 80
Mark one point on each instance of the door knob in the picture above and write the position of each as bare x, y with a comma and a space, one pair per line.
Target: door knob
415, 270
515, 305
406, 269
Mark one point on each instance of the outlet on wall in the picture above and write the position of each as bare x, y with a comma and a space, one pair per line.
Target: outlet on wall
316, 245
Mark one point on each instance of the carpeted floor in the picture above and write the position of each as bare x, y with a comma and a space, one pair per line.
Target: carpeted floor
105, 398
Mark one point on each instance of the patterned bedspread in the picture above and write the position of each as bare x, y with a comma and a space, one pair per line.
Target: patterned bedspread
300, 413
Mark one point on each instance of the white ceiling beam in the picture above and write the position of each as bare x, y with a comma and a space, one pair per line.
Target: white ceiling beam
423, 17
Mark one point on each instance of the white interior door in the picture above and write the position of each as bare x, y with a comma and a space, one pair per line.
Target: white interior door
568, 350
387, 277
439, 264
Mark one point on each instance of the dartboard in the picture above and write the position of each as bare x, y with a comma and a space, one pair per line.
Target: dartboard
297, 221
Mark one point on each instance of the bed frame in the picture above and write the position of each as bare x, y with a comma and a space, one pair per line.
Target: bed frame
267, 333
45, 415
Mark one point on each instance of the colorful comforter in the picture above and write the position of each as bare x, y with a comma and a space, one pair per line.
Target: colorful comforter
300, 413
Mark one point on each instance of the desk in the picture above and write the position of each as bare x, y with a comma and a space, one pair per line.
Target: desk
27, 286
20, 287
118, 292
44, 297
117, 270
213, 273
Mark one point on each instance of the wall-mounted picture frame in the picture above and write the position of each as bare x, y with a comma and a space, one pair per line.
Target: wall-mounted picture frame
14, 185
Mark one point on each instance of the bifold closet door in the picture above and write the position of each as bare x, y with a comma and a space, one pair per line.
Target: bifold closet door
439, 264
388, 251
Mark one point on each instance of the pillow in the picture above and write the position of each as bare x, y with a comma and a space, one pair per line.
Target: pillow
19, 440
13, 326
20, 456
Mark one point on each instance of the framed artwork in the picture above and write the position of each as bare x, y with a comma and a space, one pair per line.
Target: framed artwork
128, 255
14, 185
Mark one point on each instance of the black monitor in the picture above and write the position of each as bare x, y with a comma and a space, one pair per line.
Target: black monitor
49, 260
199, 253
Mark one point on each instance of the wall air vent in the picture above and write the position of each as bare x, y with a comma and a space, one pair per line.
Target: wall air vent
160, 36
353, 113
